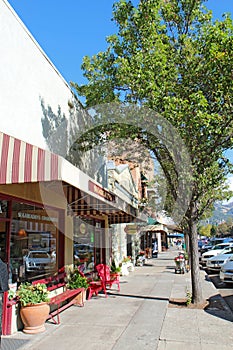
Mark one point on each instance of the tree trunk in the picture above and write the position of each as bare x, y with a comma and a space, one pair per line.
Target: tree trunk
197, 297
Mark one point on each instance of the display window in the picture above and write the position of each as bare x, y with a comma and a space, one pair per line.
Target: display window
84, 244
4, 209
3, 241
89, 243
33, 242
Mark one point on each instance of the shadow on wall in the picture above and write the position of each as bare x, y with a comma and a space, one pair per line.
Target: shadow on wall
54, 128
61, 134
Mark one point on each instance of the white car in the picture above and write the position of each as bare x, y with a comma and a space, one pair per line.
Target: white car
217, 249
215, 263
37, 260
226, 272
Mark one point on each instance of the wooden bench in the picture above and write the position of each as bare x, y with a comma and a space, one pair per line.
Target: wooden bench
57, 300
53, 283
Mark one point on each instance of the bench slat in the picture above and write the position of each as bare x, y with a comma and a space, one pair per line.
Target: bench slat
58, 299
53, 283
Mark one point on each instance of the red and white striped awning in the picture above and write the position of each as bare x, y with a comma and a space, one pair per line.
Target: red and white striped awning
22, 162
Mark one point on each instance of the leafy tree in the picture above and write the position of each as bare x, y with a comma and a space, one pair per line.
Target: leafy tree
171, 57
205, 230
224, 229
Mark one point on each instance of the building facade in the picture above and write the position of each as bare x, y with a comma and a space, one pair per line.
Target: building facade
53, 199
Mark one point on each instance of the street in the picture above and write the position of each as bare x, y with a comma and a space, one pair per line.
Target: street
226, 290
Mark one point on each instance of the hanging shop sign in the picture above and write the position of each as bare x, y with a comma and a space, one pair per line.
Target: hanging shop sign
101, 192
131, 229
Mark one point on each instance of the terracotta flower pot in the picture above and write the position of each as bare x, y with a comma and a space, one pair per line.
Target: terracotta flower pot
34, 317
81, 298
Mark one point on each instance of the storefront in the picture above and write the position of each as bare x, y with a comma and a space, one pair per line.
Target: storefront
154, 233
51, 215
26, 228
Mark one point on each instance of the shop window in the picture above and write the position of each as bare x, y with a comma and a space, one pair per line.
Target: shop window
84, 251
3, 240
3, 209
33, 246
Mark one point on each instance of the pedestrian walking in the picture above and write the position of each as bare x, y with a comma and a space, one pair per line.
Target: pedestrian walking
155, 250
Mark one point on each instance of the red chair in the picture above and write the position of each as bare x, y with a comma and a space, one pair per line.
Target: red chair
107, 276
94, 287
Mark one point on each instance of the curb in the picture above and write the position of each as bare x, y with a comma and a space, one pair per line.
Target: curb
217, 302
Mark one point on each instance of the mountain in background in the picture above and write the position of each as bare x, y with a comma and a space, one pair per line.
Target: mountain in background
222, 212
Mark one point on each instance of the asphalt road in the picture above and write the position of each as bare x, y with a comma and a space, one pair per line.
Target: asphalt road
225, 289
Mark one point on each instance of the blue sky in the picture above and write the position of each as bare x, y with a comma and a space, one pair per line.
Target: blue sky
68, 30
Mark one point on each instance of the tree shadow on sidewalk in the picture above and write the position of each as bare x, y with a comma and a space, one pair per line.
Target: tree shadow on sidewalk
218, 307
146, 297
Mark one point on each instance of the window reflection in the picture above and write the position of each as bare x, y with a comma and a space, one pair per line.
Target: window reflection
33, 248
3, 235
84, 244
3, 209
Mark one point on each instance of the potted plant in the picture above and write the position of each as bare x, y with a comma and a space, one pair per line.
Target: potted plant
114, 268
34, 308
78, 280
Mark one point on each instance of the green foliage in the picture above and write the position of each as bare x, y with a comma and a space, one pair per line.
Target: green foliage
77, 281
189, 297
224, 229
178, 66
213, 231
115, 268
32, 294
171, 57
205, 230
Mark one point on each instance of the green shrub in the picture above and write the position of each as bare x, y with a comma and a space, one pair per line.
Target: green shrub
29, 294
77, 281
114, 268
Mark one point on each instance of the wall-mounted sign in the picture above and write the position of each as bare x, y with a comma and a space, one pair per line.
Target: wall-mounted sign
36, 217
101, 191
82, 228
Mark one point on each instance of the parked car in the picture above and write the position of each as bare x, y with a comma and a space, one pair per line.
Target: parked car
215, 263
226, 272
83, 251
214, 241
205, 247
37, 260
217, 249
201, 243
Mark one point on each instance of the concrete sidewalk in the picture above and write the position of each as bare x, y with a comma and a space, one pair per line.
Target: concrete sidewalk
139, 317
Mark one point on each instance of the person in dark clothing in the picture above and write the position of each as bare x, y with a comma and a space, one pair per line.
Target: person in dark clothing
3, 287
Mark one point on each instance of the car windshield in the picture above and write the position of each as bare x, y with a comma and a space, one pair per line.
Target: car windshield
227, 252
220, 246
83, 247
38, 255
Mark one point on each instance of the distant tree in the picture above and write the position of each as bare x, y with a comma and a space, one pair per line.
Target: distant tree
224, 229
172, 58
213, 231
205, 230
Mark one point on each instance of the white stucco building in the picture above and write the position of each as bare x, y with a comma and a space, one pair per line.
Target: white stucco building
50, 194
